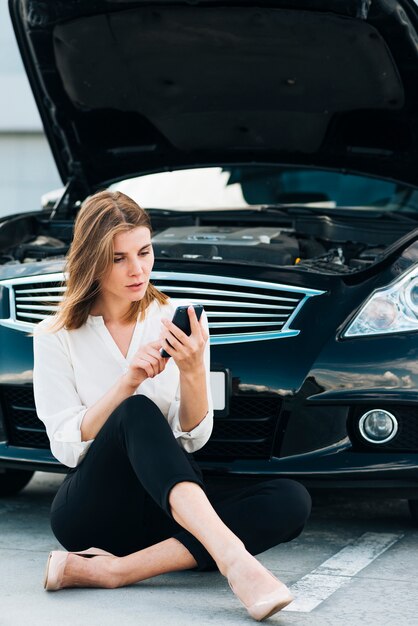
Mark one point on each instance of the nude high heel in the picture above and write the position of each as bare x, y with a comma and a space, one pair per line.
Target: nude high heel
56, 563
271, 603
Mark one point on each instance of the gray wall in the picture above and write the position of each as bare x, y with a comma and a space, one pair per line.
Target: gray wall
27, 169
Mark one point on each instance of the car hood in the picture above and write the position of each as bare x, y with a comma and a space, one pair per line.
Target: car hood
128, 87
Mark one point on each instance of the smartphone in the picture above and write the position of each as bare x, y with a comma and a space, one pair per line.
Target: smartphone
181, 320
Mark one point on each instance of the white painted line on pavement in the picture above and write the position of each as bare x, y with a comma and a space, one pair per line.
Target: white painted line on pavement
338, 570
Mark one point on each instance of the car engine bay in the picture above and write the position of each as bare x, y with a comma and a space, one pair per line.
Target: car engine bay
313, 242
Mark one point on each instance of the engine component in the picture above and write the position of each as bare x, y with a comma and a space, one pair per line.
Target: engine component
40, 248
258, 244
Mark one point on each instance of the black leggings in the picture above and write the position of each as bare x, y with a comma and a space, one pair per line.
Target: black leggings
117, 497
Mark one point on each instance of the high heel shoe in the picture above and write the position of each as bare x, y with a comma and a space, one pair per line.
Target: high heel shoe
56, 563
270, 604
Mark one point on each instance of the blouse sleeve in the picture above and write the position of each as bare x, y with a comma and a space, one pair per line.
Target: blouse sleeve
198, 436
57, 402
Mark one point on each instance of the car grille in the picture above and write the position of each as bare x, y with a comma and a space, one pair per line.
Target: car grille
238, 310
246, 433
34, 302
248, 430
22, 424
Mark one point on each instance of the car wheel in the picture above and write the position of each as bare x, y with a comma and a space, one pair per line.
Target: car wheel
13, 481
413, 508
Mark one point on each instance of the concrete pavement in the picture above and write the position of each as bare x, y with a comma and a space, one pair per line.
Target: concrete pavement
341, 536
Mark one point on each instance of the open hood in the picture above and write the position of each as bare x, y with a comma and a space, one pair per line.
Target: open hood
128, 87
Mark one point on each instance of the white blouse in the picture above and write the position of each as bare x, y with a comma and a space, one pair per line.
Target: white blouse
73, 369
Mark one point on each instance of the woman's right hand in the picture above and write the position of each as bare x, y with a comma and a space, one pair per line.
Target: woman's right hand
146, 363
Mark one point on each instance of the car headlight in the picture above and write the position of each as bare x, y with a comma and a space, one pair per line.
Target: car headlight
392, 309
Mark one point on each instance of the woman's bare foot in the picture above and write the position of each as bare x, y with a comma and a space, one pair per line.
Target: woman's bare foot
97, 571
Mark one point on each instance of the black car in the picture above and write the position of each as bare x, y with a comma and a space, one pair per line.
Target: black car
304, 117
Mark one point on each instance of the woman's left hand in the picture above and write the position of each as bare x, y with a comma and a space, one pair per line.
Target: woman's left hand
187, 351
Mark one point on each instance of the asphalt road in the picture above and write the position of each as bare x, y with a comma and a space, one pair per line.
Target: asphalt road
355, 564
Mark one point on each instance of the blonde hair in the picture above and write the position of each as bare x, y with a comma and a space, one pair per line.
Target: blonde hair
90, 256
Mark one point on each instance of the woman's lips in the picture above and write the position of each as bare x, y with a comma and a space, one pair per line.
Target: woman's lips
135, 287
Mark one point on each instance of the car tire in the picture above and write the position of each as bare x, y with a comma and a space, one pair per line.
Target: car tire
12, 481
413, 509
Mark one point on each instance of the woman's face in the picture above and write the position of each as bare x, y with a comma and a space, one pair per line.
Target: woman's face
132, 264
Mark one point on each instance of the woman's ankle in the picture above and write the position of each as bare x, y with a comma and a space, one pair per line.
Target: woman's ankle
230, 556
97, 571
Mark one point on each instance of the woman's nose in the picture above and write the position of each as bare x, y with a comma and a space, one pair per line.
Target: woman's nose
135, 266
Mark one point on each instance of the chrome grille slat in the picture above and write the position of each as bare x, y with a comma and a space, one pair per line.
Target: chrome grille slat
215, 292
32, 316
246, 314
38, 299
54, 289
260, 310
36, 307
249, 305
241, 324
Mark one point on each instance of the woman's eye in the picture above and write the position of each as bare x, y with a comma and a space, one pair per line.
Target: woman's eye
118, 259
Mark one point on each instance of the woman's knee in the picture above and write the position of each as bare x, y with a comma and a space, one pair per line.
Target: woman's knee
299, 500
137, 410
292, 499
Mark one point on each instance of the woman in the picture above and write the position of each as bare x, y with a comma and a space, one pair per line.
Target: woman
126, 421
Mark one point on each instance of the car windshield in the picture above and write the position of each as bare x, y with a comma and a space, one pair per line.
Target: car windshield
246, 186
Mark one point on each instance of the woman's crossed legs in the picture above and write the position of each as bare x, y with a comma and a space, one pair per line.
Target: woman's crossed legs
140, 496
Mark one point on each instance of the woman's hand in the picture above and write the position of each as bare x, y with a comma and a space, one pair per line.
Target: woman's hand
187, 351
146, 363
